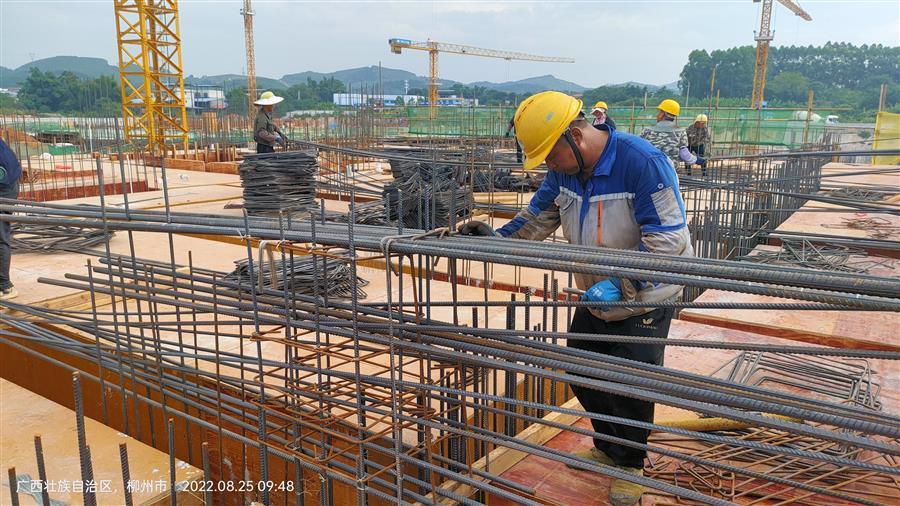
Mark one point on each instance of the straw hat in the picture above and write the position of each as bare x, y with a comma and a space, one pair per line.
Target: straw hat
268, 98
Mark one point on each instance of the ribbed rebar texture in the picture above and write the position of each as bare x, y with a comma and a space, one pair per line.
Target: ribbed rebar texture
279, 182
300, 276
49, 238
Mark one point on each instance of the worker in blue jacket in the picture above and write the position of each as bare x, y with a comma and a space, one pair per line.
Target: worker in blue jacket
613, 190
10, 172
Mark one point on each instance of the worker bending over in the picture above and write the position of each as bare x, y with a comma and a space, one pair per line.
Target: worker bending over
668, 138
265, 132
611, 190
698, 136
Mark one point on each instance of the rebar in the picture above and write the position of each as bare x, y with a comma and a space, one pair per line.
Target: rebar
396, 399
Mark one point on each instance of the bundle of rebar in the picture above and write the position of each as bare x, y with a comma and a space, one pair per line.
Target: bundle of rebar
827, 257
403, 170
50, 238
279, 182
427, 201
842, 289
464, 171
859, 193
300, 275
367, 213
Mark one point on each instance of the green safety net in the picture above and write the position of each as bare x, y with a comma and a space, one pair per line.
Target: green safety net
766, 127
483, 121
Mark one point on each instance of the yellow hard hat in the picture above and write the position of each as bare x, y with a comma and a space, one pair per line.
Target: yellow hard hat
670, 106
701, 117
541, 120
268, 98
600, 105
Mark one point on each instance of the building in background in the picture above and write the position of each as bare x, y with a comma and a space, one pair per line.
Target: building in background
364, 99
200, 98
449, 98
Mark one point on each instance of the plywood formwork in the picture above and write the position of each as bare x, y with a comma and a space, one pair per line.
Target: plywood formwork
26, 415
554, 483
841, 329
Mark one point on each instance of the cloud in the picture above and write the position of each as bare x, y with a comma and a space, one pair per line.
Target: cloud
612, 41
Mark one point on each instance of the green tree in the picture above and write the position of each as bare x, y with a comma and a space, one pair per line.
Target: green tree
788, 86
9, 103
236, 98
67, 93
621, 95
697, 71
839, 64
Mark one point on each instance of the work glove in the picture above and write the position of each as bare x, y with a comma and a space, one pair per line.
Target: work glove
701, 161
608, 290
279, 140
476, 228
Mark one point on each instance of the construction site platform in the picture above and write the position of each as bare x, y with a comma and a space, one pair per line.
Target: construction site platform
554, 483
840, 329
26, 415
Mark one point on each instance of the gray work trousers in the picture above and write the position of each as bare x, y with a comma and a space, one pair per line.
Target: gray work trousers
7, 192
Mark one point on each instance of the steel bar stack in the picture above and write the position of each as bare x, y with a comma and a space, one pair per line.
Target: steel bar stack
301, 275
49, 238
283, 182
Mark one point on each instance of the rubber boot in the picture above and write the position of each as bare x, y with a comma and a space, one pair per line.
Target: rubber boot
626, 493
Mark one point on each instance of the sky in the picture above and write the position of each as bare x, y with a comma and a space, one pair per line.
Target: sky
611, 41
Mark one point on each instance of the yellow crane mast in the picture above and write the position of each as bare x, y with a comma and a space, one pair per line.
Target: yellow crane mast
763, 38
247, 12
150, 73
433, 48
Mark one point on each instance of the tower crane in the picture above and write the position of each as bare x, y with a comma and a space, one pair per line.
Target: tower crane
247, 12
763, 38
150, 73
433, 48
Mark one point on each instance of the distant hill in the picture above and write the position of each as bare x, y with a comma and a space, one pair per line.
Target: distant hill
650, 87
83, 67
532, 85
233, 80
393, 80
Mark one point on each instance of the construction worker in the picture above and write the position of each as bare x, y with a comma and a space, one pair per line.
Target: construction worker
601, 115
265, 132
698, 136
10, 172
668, 138
612, 190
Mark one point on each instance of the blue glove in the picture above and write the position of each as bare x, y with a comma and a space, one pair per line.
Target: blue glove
701, 161
608, 290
